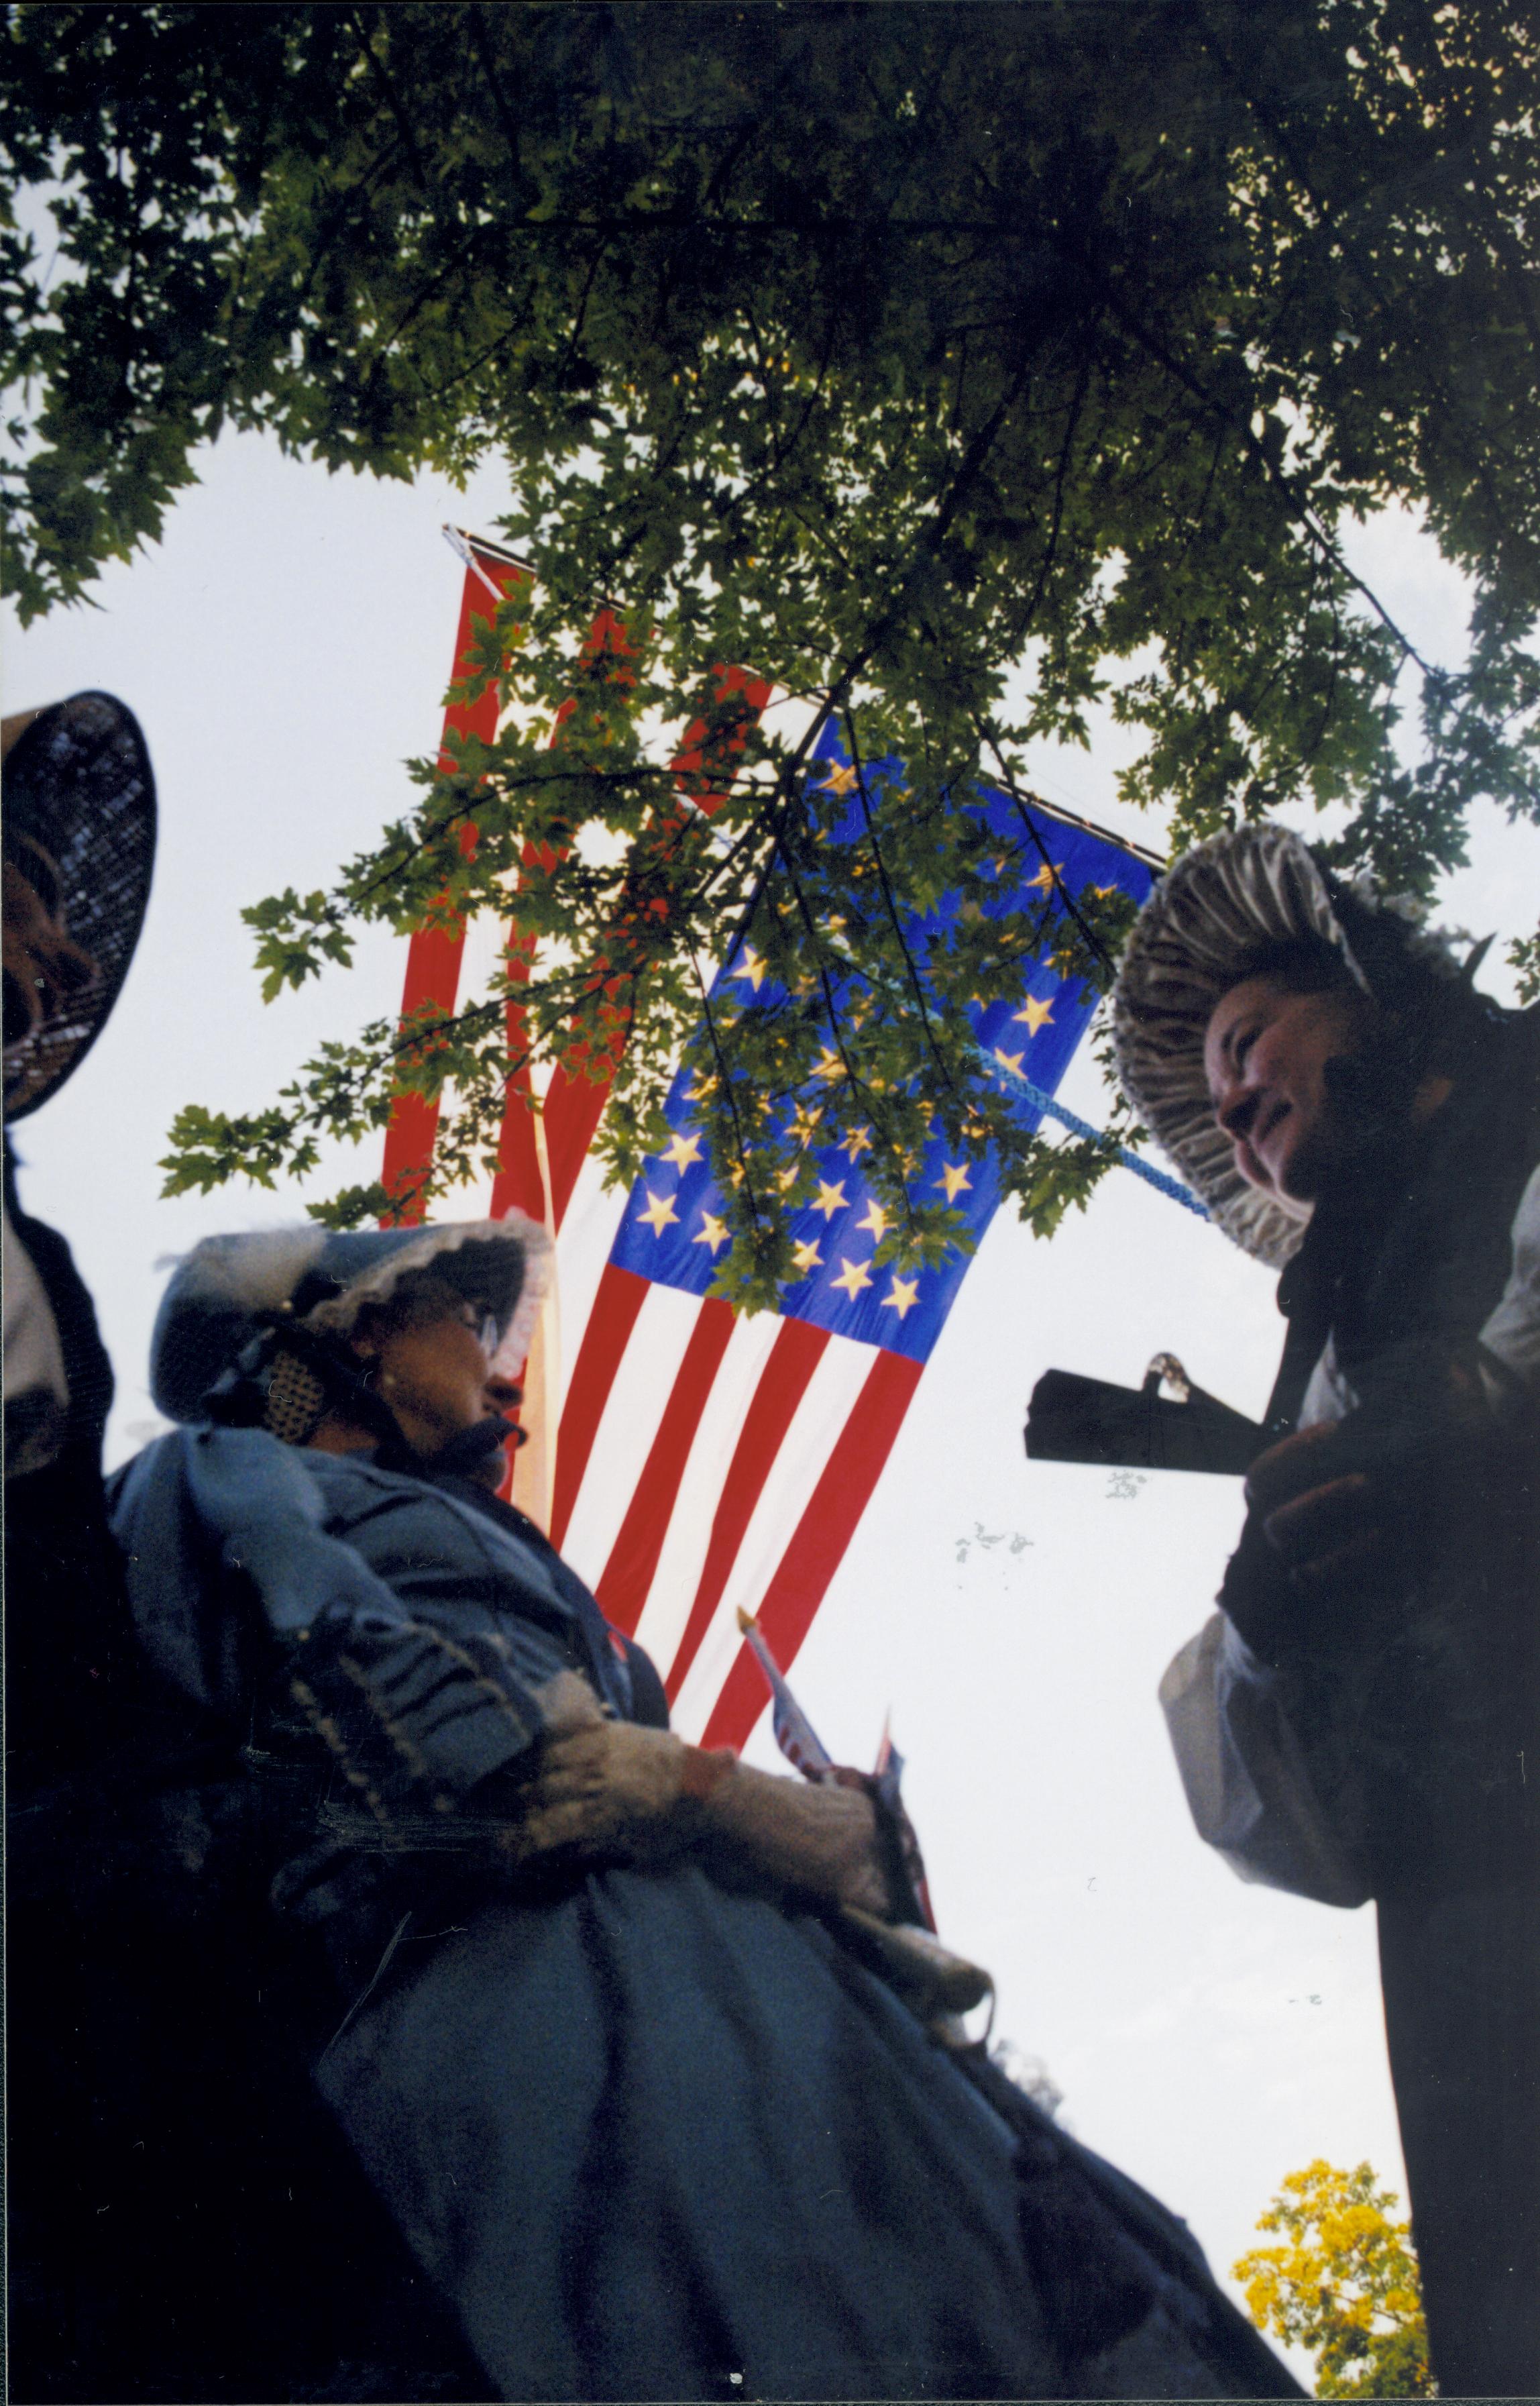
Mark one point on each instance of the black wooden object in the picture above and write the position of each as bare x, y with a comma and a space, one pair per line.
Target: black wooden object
1074, 1418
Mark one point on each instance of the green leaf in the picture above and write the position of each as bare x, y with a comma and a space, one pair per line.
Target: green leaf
909, 358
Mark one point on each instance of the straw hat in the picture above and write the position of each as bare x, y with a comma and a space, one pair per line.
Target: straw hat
1208, 918
80, 846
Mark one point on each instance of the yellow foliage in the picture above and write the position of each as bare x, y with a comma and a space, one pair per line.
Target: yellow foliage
1344, 2285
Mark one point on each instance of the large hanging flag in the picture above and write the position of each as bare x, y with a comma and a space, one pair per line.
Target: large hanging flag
707, 1463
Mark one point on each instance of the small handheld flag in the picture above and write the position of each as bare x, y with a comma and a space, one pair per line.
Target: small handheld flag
795, 1735
888, 1774
801, 1744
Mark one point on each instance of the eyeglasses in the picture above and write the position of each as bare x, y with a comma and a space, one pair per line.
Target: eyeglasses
486, 1325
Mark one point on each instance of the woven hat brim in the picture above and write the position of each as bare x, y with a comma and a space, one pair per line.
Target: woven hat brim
77, 781
1214, 909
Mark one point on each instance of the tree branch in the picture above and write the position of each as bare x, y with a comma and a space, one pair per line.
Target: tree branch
909, 964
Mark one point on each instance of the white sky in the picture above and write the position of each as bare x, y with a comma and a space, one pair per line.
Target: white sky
286, 648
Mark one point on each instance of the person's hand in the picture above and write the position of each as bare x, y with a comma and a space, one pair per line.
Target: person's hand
612, 1789
1308, 1554
1347, 1518
1364, 1498
1318, 1507
823, 1842
1313, 1553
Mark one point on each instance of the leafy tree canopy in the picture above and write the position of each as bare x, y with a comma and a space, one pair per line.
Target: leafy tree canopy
1344, 2285
950, 365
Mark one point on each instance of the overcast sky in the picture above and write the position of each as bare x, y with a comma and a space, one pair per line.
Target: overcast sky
286, 648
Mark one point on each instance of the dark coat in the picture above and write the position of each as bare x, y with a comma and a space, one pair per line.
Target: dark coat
644, 2132
183, 2219
1384, 1740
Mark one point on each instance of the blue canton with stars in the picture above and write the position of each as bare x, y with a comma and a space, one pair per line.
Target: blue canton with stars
674, 1226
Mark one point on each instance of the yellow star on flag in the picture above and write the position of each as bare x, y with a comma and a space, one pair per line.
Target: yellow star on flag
682, 1151
658, 1213
853, 1277
875, 1222
701, 1088
903, 1297
1011, 1062
808, 1256
787, 1179
857, 1142
803, 1122
1034, 1014
713, 1232
753, 968
838, 781
955, 1179
828, 1065
830, 1199
1047, 878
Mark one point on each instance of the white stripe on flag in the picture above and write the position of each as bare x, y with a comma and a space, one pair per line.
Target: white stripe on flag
583, 1248
637, 1399
684, 1555
826, 1403
486, 936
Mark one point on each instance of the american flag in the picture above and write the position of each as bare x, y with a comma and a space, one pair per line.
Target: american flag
795, 1735
693, 1463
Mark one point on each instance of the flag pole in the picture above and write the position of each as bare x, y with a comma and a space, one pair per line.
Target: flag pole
795, 1735
1155, 860
466, 547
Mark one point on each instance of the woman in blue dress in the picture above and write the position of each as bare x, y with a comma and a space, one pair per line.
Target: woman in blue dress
632, 2041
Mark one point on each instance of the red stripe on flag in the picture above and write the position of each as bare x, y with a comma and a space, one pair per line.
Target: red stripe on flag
815, 1553
621, 1295
633, 1557
434, 955
574, 1108
432, 976
575, 1105
782, 1382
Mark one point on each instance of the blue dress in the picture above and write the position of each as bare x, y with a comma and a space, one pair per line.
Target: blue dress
650, 2137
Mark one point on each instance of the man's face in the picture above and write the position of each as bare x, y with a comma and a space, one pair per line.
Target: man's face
438, 1379
1265, 1058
